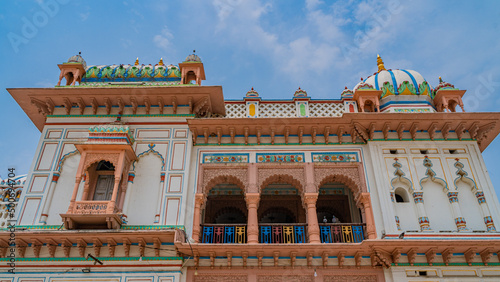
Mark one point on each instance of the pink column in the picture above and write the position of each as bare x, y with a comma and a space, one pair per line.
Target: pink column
75, 192
199, 200
112, 203
370, 221
252, 200
86, 187
312, 218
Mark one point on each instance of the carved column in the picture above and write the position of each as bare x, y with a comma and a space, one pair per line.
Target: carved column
112, 203
488, 220
423, 220
252, 200
75, 192
46, 206
199, 200
457, 213
158, 200
312, 218
86, 187
369, 219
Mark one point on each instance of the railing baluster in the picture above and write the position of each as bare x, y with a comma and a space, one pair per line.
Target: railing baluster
347, 233
326, 236
299, 234
265, 234
288, 235
229, 234
358, 233
207, 234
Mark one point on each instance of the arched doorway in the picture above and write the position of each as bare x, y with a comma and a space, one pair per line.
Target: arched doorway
339, 216
225, 215
282, 218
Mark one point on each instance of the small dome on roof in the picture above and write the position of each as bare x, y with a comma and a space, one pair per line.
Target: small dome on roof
347, 93
444, 85
396, 82
193, 58
78, 59
300, 93
252, 93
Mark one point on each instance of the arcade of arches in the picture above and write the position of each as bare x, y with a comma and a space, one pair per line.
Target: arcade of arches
288, 203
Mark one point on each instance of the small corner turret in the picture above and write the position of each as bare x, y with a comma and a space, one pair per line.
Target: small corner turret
73, 70
192, 71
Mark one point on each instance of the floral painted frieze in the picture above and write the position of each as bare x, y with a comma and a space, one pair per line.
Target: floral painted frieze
335, 157
280, 157
225, 158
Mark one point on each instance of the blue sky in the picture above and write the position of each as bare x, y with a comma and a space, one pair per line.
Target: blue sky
274, 46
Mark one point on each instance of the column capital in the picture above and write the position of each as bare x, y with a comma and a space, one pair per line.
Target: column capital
252, 198
365, 198
310, 198
199, 199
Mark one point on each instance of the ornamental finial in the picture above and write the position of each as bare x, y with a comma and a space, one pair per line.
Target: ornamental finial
440, 80
380, 64
160, 62
136, 61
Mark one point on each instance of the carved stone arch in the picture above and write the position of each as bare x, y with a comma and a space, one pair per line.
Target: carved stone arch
349, 180
223, 179
226, 210
293, 174
282, 178
151, 150
348, 175
92, 158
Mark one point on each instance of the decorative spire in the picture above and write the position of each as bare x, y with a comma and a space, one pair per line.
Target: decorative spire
252, 93
136, 61
160, 63
440, 80
380, 64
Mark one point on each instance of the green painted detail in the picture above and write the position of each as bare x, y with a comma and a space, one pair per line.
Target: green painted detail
387, 89
449, 264
123, 227
302, 110
100, 258
100, 116
407, 85
145, 84
148, 227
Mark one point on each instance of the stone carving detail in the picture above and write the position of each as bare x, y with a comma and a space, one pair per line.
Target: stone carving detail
347, 175
224, 174
345, 278
291, 174
288, 278
220, 278
94, 157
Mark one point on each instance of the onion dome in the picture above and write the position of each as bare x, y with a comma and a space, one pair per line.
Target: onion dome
347, 93
396, 82
78, 59
193, 58
300, 93
252, 93
173, 73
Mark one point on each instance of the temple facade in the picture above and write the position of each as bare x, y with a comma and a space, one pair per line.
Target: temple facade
143, 174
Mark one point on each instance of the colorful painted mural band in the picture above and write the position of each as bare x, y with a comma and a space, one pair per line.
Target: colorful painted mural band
334, 157
280, 157
225, 158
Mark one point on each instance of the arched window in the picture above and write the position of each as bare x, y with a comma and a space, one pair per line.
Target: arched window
400, 195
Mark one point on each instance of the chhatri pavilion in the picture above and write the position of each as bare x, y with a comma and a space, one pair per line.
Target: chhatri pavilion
144, 174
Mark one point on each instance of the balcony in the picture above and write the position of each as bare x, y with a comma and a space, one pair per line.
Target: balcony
282, 233
291, 233
92, 214
224, 234
342, 232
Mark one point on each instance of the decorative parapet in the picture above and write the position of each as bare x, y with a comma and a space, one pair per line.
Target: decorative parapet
283, 109
335, 157
110, 133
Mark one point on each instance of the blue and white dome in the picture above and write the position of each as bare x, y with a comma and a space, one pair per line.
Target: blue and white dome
396, 82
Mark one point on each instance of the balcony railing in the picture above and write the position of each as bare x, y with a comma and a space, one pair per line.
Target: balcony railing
91, 207
282, 233
341, 232
224, 233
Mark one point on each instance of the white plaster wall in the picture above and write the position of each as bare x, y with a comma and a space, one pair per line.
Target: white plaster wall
143, 198
438, 208
63, 190
470, 207
407, 216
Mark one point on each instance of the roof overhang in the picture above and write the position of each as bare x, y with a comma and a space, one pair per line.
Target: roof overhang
483, 127
38, 102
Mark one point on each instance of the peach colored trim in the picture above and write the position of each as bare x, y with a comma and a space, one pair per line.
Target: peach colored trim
199, 201
252, 200
312, 217
365, 200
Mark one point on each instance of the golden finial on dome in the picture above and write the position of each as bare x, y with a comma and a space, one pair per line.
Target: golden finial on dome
160, 62
136, 61
440, 80
380, 64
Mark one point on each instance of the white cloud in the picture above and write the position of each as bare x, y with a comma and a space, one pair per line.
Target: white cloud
163, 39
84, 16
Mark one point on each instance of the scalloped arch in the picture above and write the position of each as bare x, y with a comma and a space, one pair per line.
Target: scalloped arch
282, 178
147, 152
223, 179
